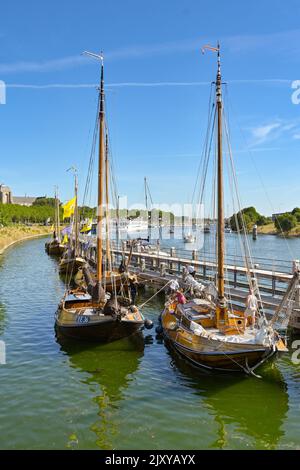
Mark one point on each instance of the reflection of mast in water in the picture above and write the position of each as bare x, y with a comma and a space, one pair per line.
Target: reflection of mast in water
110, 367
2, 318
254, 408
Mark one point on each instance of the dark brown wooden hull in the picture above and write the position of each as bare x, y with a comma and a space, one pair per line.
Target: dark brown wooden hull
54, 249
103, 332
237, 361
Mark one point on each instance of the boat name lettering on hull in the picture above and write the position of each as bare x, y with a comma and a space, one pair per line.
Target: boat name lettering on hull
82, 319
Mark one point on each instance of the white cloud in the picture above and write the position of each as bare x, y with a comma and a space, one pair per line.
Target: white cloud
274, 130
262, 132
274, 42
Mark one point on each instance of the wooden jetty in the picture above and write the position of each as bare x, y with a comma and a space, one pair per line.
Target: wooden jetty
157, 269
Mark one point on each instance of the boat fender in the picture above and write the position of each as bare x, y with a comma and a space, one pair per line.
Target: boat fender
133, 309
159, 330
148, 324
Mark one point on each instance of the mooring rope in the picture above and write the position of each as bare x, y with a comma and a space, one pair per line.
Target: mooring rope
143, 305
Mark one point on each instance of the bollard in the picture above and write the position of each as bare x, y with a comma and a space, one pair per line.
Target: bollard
163, 269
139, 250
173, 255
295, 266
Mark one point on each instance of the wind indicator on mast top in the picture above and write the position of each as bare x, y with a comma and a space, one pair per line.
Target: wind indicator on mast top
95, 56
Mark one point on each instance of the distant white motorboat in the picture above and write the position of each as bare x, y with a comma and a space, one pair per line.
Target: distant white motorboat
137, 225
189, 238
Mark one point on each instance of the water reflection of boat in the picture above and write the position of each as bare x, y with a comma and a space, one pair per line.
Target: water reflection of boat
110, 368
248, 413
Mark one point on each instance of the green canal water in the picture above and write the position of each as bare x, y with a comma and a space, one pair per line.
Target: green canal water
131, 394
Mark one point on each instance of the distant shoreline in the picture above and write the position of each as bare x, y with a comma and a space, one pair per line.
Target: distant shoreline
9, 236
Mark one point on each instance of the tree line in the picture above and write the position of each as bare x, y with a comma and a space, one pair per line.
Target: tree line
283, 222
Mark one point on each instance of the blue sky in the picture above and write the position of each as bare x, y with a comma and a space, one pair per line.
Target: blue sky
157, 90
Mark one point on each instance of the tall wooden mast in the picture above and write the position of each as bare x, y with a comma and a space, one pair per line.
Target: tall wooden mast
108, 253
220, 195
100, 181
57, 215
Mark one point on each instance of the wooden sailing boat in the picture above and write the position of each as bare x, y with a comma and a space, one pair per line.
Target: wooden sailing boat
72, 261
214, 334
96, 315
54, 246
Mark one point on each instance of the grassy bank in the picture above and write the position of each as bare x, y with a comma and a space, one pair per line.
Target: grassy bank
15, 233
269, 229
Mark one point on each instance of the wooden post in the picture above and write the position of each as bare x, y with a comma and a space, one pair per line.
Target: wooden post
173, 254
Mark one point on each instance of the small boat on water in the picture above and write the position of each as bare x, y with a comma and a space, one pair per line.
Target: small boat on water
97, 314
55, 247
189, 238
210, 331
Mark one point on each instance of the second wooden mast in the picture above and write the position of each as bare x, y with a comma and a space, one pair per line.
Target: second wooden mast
99, 290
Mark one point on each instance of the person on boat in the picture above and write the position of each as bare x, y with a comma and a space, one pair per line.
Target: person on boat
122, 267
133, 282
180, 297
191, 270
112, 307
251, 309
172, 287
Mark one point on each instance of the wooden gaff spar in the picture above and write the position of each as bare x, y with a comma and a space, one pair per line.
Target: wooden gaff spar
95, 316
213, 334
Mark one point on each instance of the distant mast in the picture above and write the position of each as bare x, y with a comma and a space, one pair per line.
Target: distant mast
146, 195
76, 216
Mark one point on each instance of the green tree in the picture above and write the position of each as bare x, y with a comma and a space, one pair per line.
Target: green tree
285, 222
44, 201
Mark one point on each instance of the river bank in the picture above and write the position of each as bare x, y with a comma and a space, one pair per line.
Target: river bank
269, 229
17, 233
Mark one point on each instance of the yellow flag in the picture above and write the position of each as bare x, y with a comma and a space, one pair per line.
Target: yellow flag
69, 208
65, 240
87, 227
